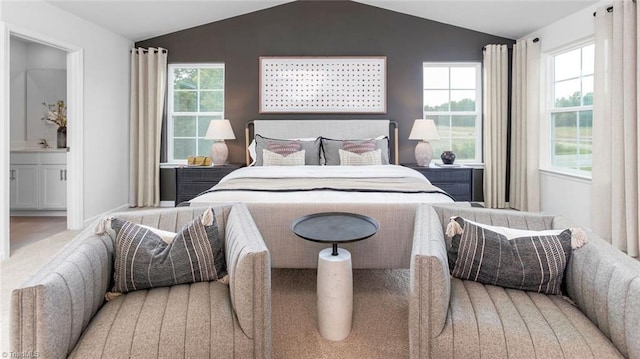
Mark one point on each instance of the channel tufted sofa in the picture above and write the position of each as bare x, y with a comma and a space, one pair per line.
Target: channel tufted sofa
454, 318
61, 311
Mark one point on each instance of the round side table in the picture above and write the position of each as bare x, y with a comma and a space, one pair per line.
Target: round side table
335, 277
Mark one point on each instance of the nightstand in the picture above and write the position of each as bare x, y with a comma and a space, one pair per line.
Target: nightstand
191, 181
457, 181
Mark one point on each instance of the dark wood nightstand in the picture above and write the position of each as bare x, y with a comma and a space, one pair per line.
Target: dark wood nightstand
191, 181
457, 181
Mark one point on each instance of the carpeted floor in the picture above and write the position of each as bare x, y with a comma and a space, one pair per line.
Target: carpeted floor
380, 313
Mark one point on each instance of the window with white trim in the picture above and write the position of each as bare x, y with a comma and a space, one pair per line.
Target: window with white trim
195, 97
452, 96
571, 109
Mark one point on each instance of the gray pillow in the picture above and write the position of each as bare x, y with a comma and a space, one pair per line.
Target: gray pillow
311, 148
143, 260
331, 147
533, 263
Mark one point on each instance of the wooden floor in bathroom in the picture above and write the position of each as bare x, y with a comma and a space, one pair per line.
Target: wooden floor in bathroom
25, 230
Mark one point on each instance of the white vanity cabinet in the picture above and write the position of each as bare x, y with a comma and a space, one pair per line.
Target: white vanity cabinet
38, 181
24, 186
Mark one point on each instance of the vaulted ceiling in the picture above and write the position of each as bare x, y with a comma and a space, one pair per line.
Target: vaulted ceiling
143, 19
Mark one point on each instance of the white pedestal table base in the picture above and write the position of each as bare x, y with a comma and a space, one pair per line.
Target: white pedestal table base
335, 294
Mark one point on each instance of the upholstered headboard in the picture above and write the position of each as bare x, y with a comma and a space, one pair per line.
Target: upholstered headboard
335, 129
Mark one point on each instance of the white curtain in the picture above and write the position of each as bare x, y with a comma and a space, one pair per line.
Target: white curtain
616, 160
148, 84
524, 186
495, 68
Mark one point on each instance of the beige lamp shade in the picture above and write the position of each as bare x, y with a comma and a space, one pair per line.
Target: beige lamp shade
219, 130
425, 131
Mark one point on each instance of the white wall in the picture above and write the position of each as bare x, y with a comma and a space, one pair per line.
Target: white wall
106, 97
560, 194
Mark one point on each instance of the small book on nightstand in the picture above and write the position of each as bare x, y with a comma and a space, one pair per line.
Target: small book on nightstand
447, 165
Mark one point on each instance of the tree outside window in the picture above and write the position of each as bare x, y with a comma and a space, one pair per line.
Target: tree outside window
196, 96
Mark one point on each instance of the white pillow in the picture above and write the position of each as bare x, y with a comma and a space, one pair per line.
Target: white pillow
273, 159
366, 159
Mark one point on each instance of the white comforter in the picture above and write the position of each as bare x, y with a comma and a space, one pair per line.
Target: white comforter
321, 196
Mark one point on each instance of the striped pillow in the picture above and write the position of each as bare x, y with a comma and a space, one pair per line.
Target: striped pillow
144, 260
273, 159
353, 159
527, 260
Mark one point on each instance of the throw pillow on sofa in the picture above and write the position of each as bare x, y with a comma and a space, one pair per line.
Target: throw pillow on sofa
520, 259
143, 260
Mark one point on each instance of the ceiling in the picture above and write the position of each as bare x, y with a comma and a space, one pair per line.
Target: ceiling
142, 19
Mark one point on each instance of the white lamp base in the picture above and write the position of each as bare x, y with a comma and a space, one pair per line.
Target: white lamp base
424, 153
219, 153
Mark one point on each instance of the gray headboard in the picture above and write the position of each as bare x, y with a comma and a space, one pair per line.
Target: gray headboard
335, 129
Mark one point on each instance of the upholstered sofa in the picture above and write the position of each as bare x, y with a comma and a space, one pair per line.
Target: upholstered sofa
61, 311
454, 318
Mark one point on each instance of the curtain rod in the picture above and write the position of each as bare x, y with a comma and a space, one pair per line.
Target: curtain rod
534, 40
146, 50
609, 9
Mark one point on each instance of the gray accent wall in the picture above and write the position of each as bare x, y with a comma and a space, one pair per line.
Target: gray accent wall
322, 28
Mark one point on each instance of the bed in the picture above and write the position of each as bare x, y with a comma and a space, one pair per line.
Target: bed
322, 178
276, 195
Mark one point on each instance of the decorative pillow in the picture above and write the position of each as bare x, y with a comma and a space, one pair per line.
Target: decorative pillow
359, 147
283, 149
144, 260
331, 154
273, 159
520, 259
353, 159
312, 148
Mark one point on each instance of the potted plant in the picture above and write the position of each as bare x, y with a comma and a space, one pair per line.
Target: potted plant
57, 114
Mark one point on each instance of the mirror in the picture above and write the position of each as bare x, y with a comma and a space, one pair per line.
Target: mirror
43, 85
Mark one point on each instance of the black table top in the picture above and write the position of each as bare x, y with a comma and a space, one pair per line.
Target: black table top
335, 227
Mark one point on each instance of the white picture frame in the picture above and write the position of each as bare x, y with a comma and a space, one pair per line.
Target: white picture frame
323, 84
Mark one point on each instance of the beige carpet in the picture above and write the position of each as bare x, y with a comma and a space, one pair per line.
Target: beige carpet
380, 313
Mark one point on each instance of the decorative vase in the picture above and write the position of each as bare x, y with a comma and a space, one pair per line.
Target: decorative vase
448, 157
62, 137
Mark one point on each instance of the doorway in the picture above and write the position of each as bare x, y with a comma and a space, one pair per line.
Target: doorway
73, 173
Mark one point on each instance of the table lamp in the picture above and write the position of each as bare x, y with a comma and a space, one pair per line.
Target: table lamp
424, 130
219, 130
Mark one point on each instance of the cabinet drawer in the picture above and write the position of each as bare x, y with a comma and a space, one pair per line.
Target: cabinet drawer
448, 175
194, 188
192, 181
201, 174
459, 191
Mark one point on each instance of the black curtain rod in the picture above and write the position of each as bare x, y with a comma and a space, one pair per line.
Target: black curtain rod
509, 47
609, 9
145, 50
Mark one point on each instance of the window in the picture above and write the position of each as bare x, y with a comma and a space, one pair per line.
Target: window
196, 96
452, 97
571, 114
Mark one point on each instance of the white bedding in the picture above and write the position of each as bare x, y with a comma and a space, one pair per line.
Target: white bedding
321, 196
